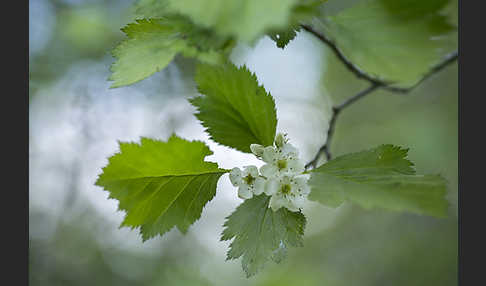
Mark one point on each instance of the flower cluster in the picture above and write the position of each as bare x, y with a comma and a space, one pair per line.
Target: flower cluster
281, 177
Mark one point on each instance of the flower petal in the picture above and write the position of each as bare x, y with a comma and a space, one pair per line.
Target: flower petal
285, 179
269, 170
300, 181
305, 190
276, 202
244, 192
294, 165
252, 170
271, 187
235, 176
289, 151
258, 186
291, 206
298, 201
269, 154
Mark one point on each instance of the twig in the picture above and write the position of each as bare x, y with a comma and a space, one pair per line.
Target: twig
330, 131
354, 98
449, 59
359, 73
375, 84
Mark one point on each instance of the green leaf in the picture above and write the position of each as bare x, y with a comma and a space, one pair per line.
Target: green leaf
161, 184
153, 43
302, 12
246, 20
396, 41
284, 37
261, 234
381, 177
235, 110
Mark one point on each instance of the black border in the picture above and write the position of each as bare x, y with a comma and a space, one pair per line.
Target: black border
15, 138
471, 111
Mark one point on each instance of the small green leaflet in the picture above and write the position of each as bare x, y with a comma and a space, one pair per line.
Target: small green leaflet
161, 184
302, 12
261, 234
395, 41
284, 37
235, 110
381, 177
153, 43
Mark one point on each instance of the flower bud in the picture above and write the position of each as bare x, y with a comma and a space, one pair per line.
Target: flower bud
280, 140
257, 149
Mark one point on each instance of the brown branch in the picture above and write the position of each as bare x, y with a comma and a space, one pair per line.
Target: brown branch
449, 59
375, 84
359, 73
330, 131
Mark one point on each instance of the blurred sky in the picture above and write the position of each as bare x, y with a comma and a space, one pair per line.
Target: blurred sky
75, 121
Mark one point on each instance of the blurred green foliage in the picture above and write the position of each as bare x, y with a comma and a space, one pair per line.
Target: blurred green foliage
393, 41
86, 29
80, 32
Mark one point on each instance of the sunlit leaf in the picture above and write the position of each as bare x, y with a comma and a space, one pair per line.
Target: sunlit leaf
235, 110
151, 45
161, 184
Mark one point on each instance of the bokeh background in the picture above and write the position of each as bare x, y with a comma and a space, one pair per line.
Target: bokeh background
75, 121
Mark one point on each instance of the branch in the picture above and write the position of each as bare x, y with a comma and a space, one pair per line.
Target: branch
330, 131
375, 84
449, 59
359, 73
354, 98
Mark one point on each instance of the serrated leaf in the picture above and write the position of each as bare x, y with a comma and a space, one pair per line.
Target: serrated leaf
151, 45
261, 234
395, 41
381, 177
235, 110
161, 184
245, 20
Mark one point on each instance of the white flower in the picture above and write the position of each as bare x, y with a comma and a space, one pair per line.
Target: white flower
281, 177
248, 181
282, 159
287, 191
